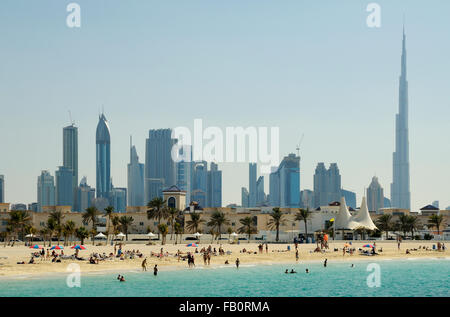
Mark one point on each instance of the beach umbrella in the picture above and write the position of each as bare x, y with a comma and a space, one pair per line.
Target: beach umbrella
100, 235
197, 234
56, 247
192, 245
30, 235
368, 246
150, 234
79, 247
36, 247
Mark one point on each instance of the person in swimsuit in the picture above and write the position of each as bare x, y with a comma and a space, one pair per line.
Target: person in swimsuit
155, 270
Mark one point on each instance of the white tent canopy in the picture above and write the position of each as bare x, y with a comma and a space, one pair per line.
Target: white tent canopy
120, 235
197, 234
150, 234
100, 235
363, 217
344, 220
30, 235
234, 234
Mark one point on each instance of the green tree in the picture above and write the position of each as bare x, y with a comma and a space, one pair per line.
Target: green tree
18, 220
91, 215
125, 223
52, 226
164, 230
194, 222
384, 223
57, 216
157, 209
304, 215
178, 231
247, 227
436, 221
68, 230
109, 212
413, 224
81, 233
277, 219
218, 219
172, 214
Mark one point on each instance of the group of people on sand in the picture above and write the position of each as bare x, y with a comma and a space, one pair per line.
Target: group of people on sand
261, 248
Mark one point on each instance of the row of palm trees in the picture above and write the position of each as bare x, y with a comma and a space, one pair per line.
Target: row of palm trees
407, 223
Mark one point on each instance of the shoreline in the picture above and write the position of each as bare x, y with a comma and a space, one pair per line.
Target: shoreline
174, 268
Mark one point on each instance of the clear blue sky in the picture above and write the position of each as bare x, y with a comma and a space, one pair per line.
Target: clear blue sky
310, 67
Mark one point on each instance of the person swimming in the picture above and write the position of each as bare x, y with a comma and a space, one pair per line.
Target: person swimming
118, 277
307, 271
292, 271
325, 263
352, 265
287, 271
155, 270
122, 279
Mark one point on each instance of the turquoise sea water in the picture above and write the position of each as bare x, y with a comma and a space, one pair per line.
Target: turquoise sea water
420, 277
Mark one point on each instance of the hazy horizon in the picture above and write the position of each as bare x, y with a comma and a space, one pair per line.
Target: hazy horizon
305, 67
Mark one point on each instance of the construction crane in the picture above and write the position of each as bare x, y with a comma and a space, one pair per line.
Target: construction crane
299, 143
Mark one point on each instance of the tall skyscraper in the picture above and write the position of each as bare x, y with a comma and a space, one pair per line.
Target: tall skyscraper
160, 168
103, 162
260, 195
375, 195
350, 198
64, 187
45, 190
70, 155
184, 172
252, 175
85, 196
135, 179
285, 183
327, 185
400, 192
200, 183
214, 186
307, 199
2, 189
119, 199
244, 197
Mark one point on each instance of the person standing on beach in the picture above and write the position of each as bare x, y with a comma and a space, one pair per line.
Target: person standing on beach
296, 255
144, 265
267, 247
155, 270
237, 263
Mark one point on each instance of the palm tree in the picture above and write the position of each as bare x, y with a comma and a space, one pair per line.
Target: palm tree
276, 221
116, 224
81, 233
109, 213
18, 220
384, 223
178, 231
229, 231
125, 222
157, 209
413, 224
247, 227
218, 219
52, 227
68, 230
403, 224
164, 230
304, 215
194, 222
172, 214
90, 215
436, 221
44, 234
57, 216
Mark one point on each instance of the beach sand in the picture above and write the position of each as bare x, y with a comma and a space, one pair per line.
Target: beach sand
277, 253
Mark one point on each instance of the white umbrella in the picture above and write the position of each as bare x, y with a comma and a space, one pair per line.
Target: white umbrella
234, 234
120, 235
197, 234
30, 235
151, 234
100, 235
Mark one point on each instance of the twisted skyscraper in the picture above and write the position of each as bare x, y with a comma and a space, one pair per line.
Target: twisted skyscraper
400, 194
103, 164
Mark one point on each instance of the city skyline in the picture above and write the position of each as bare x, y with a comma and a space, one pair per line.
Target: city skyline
365, 100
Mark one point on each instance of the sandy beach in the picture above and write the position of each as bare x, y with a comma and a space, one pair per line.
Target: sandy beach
277, 253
